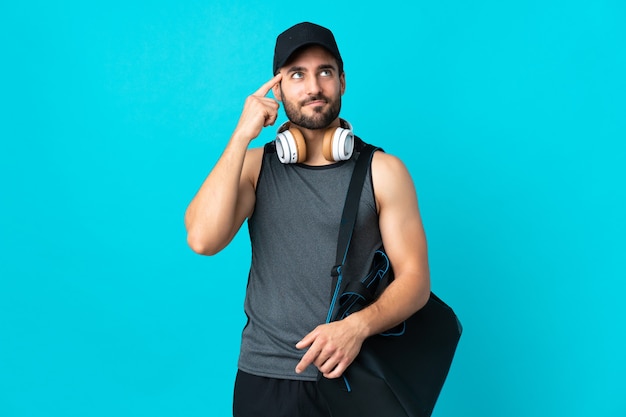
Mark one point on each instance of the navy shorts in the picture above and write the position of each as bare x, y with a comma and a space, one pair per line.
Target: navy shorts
257, 396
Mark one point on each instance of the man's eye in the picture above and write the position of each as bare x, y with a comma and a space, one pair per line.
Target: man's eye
325, 73
297, 75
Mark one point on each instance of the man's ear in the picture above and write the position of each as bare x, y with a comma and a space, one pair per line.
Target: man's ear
342, 82
277, 92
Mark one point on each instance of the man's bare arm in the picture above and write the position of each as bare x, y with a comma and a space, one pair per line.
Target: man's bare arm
227, 196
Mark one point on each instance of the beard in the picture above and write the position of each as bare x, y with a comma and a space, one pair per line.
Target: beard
322, 116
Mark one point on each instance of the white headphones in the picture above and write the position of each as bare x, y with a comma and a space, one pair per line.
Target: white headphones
337, 146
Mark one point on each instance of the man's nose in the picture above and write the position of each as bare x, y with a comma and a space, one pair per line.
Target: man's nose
313, 86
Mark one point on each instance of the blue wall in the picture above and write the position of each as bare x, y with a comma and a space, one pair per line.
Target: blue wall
509, 115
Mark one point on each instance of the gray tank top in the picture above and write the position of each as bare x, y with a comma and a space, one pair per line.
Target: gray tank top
293, 232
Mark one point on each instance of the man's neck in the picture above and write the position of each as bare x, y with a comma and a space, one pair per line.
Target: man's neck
314, 139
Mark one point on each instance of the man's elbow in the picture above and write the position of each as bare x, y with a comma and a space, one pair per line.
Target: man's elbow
423, 300
423, 295
201, 245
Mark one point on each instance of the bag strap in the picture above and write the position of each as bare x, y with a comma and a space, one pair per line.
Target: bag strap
351, 206
348, 220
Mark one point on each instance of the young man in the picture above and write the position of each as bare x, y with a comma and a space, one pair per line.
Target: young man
293, 212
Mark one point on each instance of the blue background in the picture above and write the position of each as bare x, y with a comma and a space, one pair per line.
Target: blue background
509, 115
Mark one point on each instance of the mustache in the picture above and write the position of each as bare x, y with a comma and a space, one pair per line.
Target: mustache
315, 98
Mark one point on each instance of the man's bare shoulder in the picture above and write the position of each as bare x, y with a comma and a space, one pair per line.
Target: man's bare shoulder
388, 167
391, 178
252, 165
255, 154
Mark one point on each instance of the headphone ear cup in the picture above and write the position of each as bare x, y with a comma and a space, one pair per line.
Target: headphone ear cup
290, 146
338, 144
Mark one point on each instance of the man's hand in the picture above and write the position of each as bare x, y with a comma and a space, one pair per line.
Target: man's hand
259, 111
332, 347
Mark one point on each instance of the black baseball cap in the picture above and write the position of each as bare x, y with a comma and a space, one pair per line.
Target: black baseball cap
300, 35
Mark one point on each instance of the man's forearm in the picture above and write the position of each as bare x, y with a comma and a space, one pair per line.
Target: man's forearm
403, 297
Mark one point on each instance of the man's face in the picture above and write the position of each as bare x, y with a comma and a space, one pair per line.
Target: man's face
311, 88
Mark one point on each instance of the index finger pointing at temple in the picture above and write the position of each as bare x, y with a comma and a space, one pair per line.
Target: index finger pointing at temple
265, 88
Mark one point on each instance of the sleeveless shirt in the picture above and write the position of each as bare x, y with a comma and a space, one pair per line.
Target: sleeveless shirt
293, 233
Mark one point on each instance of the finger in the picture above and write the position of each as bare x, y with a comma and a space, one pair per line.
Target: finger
306, 341
267, 107
271, 119
265, 88
327, 368
307, 360
324, 362
334, 372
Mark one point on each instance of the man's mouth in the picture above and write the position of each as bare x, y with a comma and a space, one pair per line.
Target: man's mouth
315, 102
